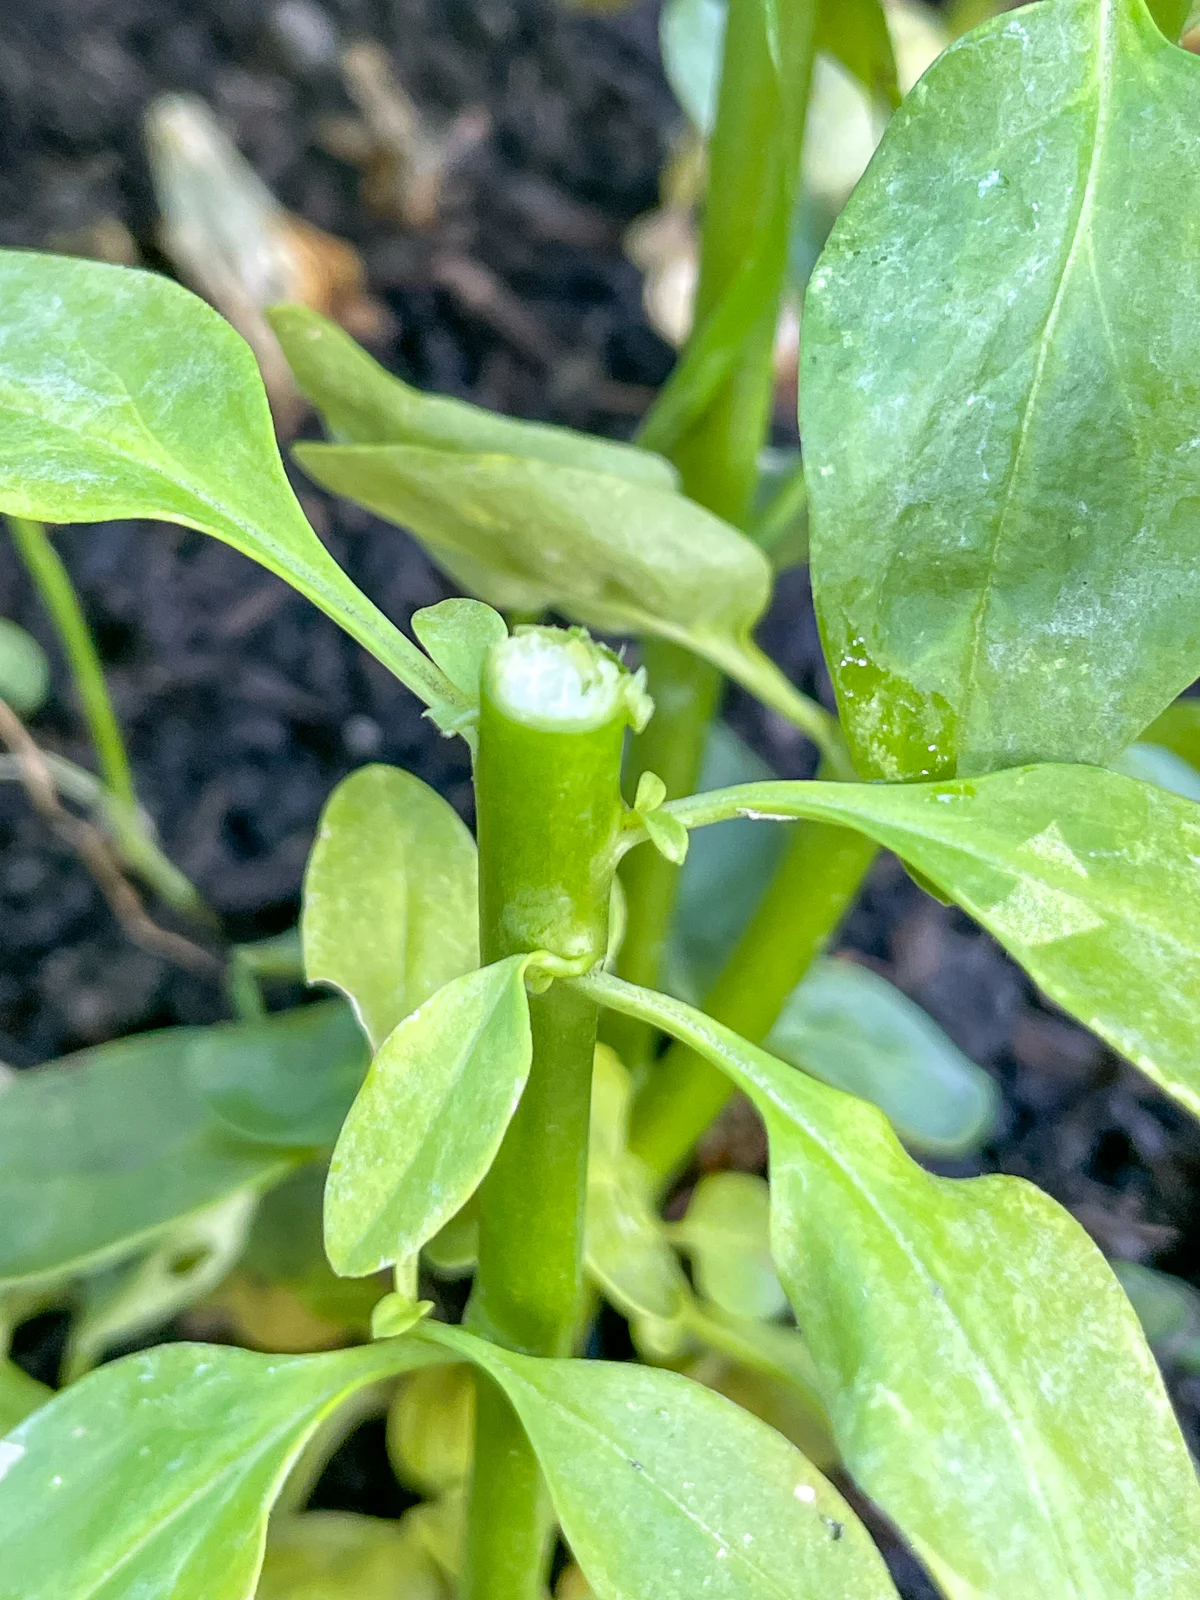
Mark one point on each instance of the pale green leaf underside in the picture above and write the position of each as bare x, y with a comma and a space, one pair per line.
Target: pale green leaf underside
1088, 878
122, 395
1001, 387
390, 896
664, 1488
612, 553
429, 1119
338, 1555
987, 1380
154, 1476
362, 403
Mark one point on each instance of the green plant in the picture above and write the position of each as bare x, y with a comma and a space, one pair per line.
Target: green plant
1000, 403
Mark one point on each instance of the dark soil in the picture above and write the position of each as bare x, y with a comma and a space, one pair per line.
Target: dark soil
244, 706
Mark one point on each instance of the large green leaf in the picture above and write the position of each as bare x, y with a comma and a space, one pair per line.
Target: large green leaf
122, 395
390, 896
665, 1488
102, 1151
439, 1094
364, 404
1002, 459
987, 1380
154, 1476
1088, 878
852, 1028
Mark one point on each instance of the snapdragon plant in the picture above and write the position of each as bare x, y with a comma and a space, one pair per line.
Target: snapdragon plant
1001, 425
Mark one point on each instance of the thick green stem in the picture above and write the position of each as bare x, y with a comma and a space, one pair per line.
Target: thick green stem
813, 888
754, 170
58, 596
554, 709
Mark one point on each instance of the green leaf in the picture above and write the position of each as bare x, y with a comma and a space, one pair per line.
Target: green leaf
122, 395
338, 1555
571, 538
727, 1234
458, 635
154, 1476
102, 1151
1086, 877
1004, 476
364, 404
429, 1119
668, 836
20, 1396
849, 1027
389, 896
626, 1251
855, 32
988, 1383
24, 669
286, 1080
664, 1488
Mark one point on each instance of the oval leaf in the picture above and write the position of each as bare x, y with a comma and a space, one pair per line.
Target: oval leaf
1004, 470
727, 1234
362, 403
154, 1476
122, 395
664, 1488
1086, 877
849, 1027
390, 896
429, 1119
988, 1382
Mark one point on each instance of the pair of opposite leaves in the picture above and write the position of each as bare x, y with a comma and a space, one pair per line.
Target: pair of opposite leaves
991, 1334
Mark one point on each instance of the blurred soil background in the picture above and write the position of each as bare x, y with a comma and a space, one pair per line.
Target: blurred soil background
244, 706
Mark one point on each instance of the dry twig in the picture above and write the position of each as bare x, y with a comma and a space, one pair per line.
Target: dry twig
94, 851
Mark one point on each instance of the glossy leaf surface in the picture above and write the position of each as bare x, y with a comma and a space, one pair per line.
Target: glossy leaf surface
852, 1028
1003, 464
988, 1383
154, 1476
24, 669
122, 395
458, 634
663, 1487
1086, 877
390, 895
101, 1151
429, 1119
337, 1555
364, 404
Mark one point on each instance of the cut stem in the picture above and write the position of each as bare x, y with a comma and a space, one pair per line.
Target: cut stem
547, 784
